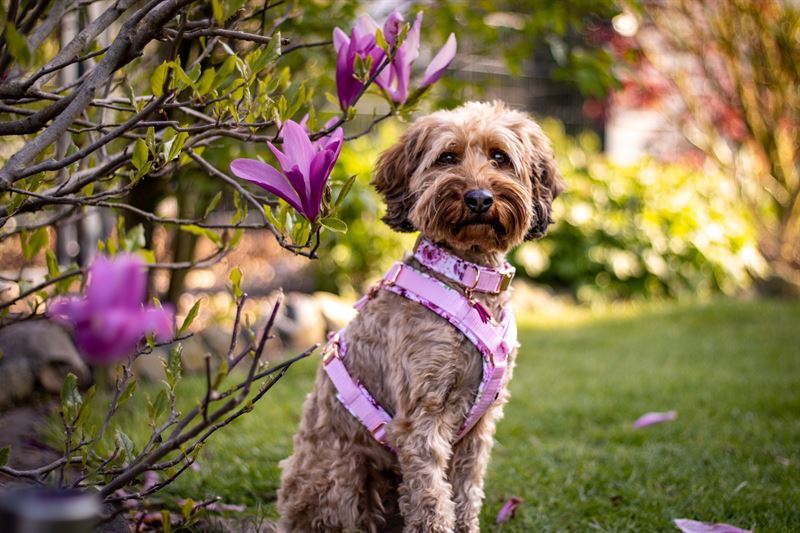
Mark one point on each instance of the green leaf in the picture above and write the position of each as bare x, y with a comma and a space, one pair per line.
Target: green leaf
381, 40
70, 397
301, 231
212, 204
134, 239
166, 523
222, 373
4, 453
52, 264
206, 81
344, 190
236, 280
85, 409
333, 224
206, 232
177, 145
125, 444
187, 508
181, 80
273, 49
190, 316
174, 365
17, 44
130, 388
159, 405
271, 217
151, 139
140, 154
217, 11
235, 238
34, 243
158, 78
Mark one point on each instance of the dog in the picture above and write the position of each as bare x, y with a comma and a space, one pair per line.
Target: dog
475, 182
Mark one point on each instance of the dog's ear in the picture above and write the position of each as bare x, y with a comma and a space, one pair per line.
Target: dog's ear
546, 179
393, 173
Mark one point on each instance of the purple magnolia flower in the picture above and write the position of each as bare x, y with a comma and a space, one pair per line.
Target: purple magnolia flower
693, 526
440, 62
305, 168
649, 419
361, 43
395, 78
110, 320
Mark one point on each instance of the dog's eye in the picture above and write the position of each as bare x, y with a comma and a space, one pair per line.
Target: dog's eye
447, 158
500, 157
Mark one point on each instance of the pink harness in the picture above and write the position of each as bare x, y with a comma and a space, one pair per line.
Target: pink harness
494, 339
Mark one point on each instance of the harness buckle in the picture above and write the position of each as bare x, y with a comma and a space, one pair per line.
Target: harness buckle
331, 351
505, 281
396, 274
477, 279
374, 432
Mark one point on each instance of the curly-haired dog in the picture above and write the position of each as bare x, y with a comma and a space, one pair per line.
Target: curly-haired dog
475, 182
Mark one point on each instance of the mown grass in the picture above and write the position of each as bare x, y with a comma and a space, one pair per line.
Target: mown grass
567, 447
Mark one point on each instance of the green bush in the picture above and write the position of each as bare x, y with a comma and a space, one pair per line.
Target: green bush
647, 230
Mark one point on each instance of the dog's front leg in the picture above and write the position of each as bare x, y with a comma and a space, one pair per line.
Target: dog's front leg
423, 443
467, 470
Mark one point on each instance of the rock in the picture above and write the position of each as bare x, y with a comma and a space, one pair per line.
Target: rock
149, 366
300, 322
37, 354
337, 311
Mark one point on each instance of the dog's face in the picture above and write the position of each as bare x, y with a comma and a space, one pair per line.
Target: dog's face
479, 177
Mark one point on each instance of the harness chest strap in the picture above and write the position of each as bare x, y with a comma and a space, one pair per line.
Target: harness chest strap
494, 341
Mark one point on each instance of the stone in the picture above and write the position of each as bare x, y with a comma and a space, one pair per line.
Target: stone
337, 311
37, 354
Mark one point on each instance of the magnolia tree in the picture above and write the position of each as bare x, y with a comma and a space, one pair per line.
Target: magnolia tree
112, 113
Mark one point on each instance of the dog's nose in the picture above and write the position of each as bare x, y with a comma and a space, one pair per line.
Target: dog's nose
478, 200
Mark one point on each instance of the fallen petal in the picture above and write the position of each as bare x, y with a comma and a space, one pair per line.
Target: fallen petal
648, 419
508, 510
694, 526
440, 62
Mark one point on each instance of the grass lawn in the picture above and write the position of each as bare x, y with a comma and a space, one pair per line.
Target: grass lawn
567, 446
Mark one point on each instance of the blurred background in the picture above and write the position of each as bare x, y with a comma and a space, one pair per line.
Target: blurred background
675, 124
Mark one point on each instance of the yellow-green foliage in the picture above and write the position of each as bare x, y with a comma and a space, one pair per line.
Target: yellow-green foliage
649, 229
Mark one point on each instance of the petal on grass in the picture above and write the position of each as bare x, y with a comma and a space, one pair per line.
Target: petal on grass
508, 510
440, 62
649, 419
267, 178
694, 526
